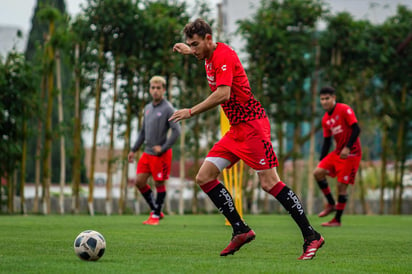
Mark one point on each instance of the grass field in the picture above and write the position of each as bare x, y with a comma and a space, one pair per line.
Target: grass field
192, 243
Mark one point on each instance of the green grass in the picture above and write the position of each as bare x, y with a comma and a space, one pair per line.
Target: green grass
192, 243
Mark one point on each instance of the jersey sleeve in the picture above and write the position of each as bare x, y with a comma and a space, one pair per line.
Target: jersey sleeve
225, 67
349, 115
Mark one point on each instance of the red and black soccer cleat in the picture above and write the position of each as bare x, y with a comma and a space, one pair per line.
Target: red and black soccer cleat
161, 215
332, 223
311, 246
152, 220
237, 242
328, 210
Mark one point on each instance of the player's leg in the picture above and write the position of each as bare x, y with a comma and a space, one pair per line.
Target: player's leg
272, 184
324, 168
220, 196
346, 172
160, 167
340, 206
147, 193
145, 189
160, 198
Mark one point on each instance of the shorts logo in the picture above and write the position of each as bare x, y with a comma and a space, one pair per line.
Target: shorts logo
262, 162
224, 67
159, 175
345, 178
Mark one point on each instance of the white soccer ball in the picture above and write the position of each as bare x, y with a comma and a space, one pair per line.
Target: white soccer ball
89, 245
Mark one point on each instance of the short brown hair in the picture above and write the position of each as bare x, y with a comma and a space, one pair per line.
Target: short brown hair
199, 27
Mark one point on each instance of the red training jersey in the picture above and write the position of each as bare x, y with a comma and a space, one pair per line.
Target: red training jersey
338, 124
224, 69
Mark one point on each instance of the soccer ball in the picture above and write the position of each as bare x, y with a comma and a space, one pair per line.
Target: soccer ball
89, 245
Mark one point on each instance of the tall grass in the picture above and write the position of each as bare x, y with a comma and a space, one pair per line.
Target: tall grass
192, 243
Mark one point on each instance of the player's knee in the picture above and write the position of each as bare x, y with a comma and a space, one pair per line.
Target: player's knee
200, 179
318, 174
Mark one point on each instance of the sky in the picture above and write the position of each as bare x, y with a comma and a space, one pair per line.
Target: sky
18, 13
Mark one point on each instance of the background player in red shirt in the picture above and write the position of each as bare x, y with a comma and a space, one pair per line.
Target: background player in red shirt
340, 123
248, 138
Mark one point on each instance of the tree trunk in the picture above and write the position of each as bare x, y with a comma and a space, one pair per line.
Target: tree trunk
196, 167
62, 140
10, 193
109, 198
400, 156
383, 168
23, 166
126, 148
76, 138
99, 84
182, 167
48, 127
311, 161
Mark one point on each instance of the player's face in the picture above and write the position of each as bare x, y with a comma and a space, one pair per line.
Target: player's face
200, 46
327, 101
157, 91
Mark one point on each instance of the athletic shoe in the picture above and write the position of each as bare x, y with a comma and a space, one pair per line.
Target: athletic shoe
328, 210
152, 221
332, 223
161, 215
311, 246
237, 242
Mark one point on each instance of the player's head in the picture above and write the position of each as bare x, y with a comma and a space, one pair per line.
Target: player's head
157, 88
199, 38
327, 98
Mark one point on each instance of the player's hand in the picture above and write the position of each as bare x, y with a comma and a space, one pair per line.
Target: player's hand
180, 115
182, 48
130, 157
157, 149
344, 153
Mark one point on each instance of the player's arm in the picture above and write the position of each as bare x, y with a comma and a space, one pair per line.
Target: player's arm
355, 134
221, 95
139, 142
327, 142
182, 48
352, 139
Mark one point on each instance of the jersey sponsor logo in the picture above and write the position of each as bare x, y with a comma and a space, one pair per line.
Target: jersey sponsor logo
224, 67
336, 130
296, 202
331, 124
159, 114
211, 80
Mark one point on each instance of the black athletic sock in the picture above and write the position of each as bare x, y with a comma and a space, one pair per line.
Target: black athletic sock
324, 186
340, 207
222, 199
292, 204
147, 194
160, 198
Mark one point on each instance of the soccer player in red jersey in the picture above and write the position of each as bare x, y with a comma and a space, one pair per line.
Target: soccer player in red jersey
248, 138
339, 122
